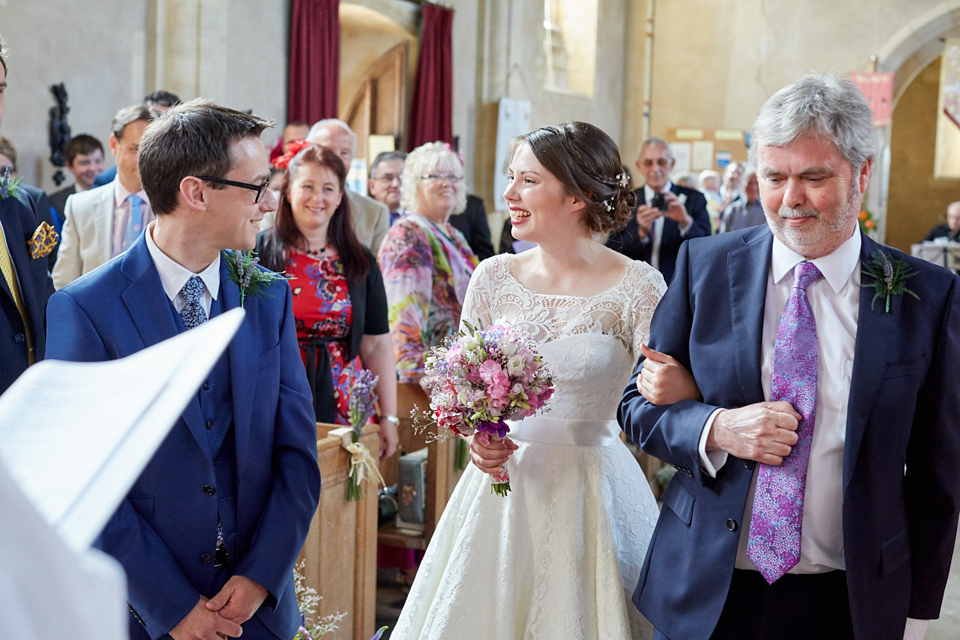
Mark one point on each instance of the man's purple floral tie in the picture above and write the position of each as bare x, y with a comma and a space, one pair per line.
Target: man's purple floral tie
774, 541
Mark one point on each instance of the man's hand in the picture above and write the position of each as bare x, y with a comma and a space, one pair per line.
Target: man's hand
203, 624
646, 216
238, 600
676, 211
490, 458
765, 432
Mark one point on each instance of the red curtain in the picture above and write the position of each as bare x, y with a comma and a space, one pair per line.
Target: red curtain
431, 112
314, 60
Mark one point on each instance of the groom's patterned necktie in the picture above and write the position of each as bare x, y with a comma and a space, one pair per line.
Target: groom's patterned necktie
192, 313
774, 541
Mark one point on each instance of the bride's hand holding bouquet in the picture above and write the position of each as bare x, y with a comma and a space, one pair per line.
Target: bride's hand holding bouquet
481, 378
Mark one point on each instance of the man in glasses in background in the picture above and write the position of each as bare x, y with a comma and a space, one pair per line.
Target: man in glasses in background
384, 184
103, 222
209, 534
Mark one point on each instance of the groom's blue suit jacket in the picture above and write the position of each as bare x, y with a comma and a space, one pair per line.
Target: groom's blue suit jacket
901, 485
164, 532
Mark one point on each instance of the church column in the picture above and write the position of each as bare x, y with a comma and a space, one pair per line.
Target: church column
187, 48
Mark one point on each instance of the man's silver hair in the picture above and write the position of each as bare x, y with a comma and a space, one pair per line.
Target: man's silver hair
332, 123
656, 141
819, 103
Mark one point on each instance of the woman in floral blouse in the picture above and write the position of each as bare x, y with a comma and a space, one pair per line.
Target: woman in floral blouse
426, 263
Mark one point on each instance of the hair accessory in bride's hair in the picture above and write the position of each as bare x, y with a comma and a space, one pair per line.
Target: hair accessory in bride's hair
621, 181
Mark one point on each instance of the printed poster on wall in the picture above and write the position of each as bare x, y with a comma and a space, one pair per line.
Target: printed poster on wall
877, 88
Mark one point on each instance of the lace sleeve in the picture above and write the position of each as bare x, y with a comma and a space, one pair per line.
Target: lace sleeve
650, 287
477, 305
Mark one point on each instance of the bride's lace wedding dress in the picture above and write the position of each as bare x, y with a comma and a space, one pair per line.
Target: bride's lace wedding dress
560, 555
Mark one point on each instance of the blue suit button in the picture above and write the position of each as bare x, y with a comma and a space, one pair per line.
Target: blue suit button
206, 558
732, 524
206, 386
210, 424
19, 338
748, 464
207, 489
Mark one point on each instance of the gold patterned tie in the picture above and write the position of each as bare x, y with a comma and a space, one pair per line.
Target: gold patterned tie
6, 266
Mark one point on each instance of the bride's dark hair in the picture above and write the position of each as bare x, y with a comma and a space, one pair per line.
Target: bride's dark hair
586, 160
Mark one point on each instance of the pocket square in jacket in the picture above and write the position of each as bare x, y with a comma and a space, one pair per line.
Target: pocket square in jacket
43, 241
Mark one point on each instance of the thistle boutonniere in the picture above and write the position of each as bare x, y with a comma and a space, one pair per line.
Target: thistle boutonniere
889, 277
8, 186
244, 271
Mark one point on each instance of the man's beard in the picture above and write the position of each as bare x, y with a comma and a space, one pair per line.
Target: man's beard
797, 238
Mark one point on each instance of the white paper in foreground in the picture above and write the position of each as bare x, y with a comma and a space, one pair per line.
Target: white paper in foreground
75, 436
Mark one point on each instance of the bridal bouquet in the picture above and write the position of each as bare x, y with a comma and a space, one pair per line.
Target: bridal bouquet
480, 378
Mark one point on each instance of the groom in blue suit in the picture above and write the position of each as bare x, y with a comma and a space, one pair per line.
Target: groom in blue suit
210, 532
882, 493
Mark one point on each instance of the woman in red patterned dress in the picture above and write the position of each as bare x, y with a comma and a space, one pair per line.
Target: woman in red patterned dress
339, 302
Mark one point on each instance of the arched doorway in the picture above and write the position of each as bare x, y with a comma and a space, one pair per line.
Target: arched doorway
376, 71
903, 190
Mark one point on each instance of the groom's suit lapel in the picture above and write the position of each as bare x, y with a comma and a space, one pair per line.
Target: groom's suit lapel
242, 354
877, 332
748, 292
151, 313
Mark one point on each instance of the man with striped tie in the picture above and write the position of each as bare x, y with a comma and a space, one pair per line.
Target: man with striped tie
102, 223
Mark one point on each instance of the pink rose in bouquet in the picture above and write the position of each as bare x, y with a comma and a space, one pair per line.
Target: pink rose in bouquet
480, 378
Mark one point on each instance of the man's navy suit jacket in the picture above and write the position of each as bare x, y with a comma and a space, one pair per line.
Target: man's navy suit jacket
19, 220
901, 488
628, 241
164, 531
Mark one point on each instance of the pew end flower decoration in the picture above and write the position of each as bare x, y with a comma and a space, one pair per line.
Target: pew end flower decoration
889, 277
480, 378
362, 407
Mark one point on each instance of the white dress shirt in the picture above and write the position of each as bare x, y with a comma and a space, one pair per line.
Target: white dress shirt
173, 275
835, 300
656, 234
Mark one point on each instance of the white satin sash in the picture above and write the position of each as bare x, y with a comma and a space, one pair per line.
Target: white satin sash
582, 433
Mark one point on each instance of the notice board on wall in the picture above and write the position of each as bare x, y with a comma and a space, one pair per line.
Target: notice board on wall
707, 148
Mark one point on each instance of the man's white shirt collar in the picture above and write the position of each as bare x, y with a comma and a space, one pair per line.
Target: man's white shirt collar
837, 267
173, 275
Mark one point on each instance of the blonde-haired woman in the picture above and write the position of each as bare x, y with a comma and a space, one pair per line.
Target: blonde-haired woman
426, 262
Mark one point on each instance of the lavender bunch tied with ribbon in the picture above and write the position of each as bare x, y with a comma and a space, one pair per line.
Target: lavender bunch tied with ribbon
362, 407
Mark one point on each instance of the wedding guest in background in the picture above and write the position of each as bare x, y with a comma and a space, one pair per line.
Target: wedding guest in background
338, 297
384, 184
747, 211
157, 102
950, 230
104, 222
816, 494
25, 285
425, 260
473, 224
84, 157
559, 556
709, 183
666, 216
209, 533
370, 218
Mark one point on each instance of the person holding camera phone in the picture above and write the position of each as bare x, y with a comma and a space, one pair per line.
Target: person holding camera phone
666, 214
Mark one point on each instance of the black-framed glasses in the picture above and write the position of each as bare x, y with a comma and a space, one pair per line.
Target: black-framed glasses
259, 188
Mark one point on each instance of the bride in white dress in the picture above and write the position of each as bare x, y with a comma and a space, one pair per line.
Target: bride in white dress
560, 555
